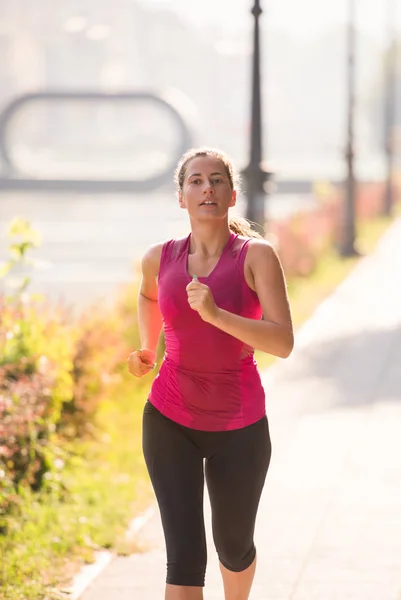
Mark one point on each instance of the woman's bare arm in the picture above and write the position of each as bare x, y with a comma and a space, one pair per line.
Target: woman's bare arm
149, 315
274, 334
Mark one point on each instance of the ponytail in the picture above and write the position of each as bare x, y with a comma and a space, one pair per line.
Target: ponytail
241, 226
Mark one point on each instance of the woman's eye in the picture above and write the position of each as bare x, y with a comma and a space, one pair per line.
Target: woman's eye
217, 180
196, 181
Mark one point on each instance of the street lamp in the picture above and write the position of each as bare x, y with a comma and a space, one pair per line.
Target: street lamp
254, 174
389, 106
347, 244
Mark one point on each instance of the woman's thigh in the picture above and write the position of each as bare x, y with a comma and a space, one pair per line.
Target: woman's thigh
175, 468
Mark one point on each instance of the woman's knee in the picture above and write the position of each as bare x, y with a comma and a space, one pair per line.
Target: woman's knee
235, 557
186, 572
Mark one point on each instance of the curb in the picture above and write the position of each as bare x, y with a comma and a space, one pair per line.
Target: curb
87, 574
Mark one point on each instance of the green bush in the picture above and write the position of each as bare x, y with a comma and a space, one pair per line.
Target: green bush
36, 358
99, 352
53, 375
35, 380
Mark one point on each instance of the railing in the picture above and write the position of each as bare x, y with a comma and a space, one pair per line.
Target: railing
12, 177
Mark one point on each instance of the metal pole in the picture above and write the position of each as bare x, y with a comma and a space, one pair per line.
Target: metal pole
347, 247
254, 174
389, 107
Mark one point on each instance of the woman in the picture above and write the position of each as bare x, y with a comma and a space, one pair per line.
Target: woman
205, 417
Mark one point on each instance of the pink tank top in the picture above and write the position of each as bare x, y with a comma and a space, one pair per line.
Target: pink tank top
208, 379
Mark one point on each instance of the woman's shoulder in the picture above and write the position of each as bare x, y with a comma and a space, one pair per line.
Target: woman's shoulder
153, 252
260, 249
152, 257
255, 245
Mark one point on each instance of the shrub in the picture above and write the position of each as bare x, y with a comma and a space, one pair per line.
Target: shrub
98, 353
35, 380
25, 422
53, 375
36, 351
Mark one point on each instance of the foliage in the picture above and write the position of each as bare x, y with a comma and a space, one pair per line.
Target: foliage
98, 353
35, 379
53, 376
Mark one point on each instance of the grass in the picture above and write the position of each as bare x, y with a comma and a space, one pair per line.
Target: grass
106, 482
105, 486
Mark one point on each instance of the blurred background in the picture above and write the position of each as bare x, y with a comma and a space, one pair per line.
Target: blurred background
98, 100
180, 76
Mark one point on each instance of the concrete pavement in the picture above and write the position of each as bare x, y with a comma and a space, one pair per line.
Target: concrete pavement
329, 525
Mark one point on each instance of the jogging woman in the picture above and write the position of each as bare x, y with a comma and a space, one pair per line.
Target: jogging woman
205, 418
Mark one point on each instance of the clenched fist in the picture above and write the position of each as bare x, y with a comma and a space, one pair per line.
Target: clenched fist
141, 362
200, 298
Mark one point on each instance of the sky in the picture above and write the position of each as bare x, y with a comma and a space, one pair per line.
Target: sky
301, 18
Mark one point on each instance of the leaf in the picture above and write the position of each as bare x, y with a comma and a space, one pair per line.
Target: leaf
19, 249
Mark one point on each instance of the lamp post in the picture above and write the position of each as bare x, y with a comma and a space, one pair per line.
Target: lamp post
347, 244
254, 174
389, 107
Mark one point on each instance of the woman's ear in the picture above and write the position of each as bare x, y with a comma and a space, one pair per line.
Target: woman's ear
181, 200
233, 198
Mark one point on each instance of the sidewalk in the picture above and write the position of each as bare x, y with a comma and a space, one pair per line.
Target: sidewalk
329, 525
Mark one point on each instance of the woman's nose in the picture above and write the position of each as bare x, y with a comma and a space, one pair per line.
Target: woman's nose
208, 188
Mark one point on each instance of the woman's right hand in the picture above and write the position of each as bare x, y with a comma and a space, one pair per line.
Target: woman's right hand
141, 362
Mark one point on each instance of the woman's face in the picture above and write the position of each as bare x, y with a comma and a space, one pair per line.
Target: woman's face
206, 192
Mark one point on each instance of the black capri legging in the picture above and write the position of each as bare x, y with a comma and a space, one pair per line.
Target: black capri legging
236, 464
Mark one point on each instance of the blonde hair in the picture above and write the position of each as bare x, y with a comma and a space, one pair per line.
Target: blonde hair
237, 225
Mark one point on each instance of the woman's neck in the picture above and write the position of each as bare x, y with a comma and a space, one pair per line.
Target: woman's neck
208, 241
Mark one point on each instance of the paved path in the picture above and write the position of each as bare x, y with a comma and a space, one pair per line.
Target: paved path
329, 526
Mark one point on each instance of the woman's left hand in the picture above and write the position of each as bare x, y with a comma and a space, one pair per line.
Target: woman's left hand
200, 298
